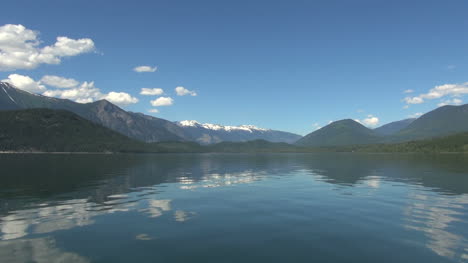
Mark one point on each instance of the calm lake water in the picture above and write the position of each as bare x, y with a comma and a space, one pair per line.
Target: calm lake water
234, 208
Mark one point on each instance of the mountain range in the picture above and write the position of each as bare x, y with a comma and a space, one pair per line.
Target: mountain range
57, 131
207, 133
133, 125
47, 130
393, 127
340, 133
443, 121
137, 125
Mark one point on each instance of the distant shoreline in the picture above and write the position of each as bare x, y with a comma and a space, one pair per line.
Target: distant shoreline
243, 152
39, 152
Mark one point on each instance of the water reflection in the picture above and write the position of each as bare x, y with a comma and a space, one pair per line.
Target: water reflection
156, 208
56, 215
435, 216
56, 193
41, 250
144, 237
373, 181
182, 216
218, 180
49, 218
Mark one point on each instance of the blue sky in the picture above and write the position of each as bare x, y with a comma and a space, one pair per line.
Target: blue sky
287, 65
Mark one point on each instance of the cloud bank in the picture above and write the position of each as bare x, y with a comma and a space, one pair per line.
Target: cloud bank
59, 82
20, 48
439, 92
25, 83
82, 93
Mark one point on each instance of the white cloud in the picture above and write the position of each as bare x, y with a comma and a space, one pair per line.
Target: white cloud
84, 93
67, 47
181, 91
59, 82
408, 91
151, 92
120, 98
145, 69
153, 110
87, 92
162, 101
20, 48
25, 83
406, 107
415, 115
370, 121
413, 100
453, 90
447, 89
454, 101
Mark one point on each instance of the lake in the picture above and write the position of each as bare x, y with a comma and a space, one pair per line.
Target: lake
233, 208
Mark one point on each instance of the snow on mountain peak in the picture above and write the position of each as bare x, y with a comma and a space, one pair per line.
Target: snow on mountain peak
188, 123
217, 127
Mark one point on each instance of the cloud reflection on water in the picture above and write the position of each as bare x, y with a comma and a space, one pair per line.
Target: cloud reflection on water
40, 250
435, 216
46, 219
158, 187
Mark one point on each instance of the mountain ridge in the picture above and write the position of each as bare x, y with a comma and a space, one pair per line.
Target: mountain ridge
207, 133
210, 126
47, 130
138, 125
442, 121
394, 127
339, 133
51, 130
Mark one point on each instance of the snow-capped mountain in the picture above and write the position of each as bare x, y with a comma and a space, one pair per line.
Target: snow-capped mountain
217, 127
137, 125
134, 125
207, 133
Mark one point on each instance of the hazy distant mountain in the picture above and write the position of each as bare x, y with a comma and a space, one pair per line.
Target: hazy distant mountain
442, 121
339, 133
134, 125
212, 133
393, 127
